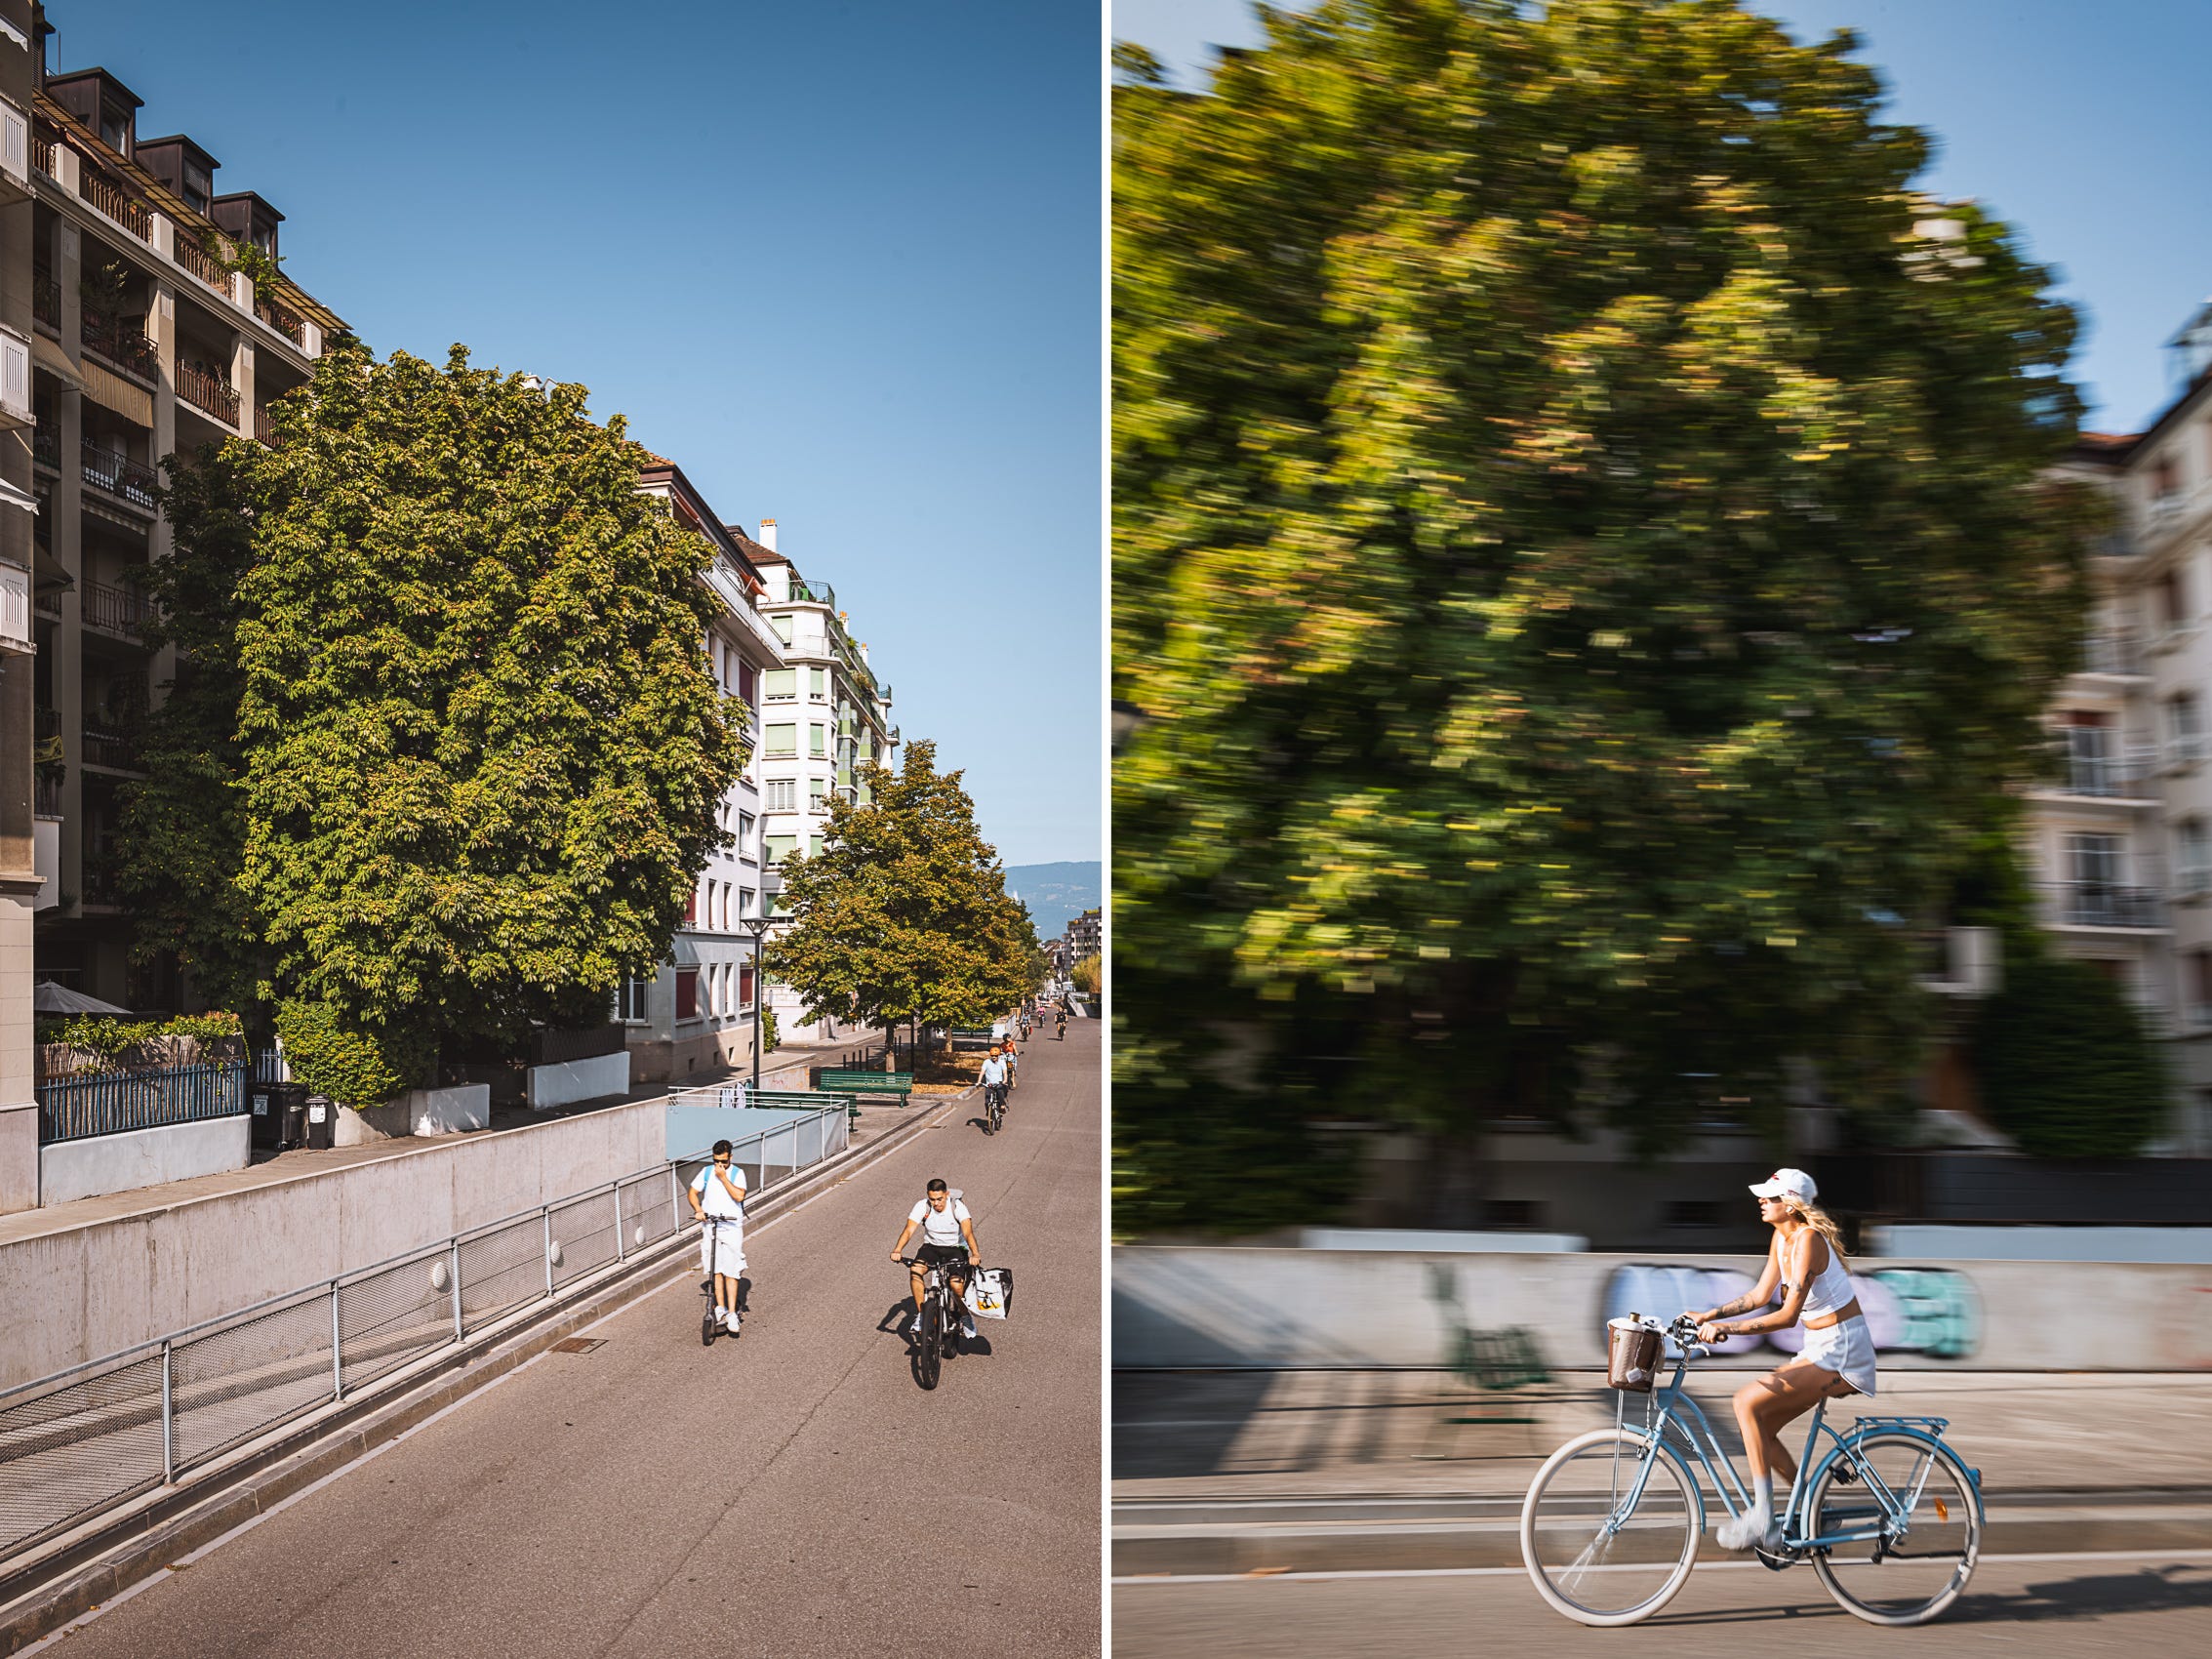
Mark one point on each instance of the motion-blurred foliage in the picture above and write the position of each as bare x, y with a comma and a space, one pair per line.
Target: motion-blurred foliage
1581, 566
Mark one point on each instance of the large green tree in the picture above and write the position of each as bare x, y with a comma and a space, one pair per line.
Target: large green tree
446, 738
1579, 568
904, 914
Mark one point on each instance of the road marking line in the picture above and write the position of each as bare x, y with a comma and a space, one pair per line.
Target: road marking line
1277, 1576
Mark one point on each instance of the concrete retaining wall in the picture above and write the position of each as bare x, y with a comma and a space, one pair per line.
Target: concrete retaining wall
1281, 1309
141, 1157
458, 1110
74, 1296
572, 1080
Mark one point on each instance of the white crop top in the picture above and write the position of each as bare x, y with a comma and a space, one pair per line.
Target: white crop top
1831, 1290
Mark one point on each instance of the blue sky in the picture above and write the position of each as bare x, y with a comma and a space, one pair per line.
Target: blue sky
839, 260
2081, 122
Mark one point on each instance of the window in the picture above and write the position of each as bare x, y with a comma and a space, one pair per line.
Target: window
779, 685
781, 847
746, 822
782, 741
782, 794
818, 685
2090, 769
748, 903
813, 846
2200, 987
814, 786
687, 993
691, 907
2185, 728
782, 626
2194, 860
2171, 599
745, 986
748, 682
2095, 898
629, 999
818, 742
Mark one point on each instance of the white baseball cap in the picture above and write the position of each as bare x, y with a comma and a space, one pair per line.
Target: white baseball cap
1788, 1184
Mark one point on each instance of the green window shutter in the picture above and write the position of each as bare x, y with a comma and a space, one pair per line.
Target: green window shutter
779, 685
781, 847
782, 739
813, 846
817, 683
814, 742
813, 791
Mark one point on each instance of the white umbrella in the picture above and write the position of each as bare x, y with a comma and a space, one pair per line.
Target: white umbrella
51, 996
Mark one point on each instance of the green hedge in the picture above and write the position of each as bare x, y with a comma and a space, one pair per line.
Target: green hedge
105, 1038
356, 1067
2065, 1066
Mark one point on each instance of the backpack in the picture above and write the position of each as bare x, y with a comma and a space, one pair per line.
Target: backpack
990, 1292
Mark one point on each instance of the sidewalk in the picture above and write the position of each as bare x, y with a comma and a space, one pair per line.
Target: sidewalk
1362, 1470
786, 1068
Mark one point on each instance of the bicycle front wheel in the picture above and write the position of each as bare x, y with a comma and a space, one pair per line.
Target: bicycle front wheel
1915, 1517
1610, 1528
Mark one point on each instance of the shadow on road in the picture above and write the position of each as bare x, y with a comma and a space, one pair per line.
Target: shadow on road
2174, 1587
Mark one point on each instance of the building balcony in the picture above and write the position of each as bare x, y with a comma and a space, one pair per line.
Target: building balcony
207, 393
46, 446
42, 153
130, 481
116, 748
283, 319
15, 153
2105, 777
202, 264
123, 343
2098, 905
115, 610
2115, 655
46, 301
101, 191
264, 429
46, 797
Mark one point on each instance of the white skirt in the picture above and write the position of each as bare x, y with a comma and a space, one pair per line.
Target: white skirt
1847, 1349
722, 1246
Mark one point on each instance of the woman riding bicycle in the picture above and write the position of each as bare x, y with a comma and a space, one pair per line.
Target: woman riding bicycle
1805, 1260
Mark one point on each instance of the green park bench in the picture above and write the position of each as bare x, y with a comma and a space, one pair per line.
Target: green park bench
832, 1080
1504, 1381
970, 1036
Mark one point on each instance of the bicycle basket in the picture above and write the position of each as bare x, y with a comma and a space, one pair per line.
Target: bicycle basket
1633, 1347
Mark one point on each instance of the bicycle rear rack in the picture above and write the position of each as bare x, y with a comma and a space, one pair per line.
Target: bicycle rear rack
1933, 1425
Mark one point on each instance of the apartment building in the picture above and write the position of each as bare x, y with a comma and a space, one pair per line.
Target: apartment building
824, 715
698, 1013
1084, 935
2120, 840
146, 340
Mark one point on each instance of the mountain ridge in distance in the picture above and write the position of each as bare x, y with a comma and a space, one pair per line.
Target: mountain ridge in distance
1056, 893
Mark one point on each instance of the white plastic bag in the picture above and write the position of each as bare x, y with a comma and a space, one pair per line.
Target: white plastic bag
990, 1291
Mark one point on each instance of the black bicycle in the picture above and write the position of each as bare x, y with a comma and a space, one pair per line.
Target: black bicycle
1061, 1036
941, 1313
995, 1108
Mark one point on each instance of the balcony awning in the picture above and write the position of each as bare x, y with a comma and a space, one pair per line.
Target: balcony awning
113, 391
50, 359
14, 495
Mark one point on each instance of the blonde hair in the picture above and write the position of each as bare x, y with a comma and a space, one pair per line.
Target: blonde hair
1820, 1221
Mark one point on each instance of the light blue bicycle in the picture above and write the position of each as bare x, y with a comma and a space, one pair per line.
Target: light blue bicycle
1888, 1516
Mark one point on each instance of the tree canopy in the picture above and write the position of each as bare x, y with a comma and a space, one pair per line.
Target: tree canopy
904, 914
1580, 567
2064, 1063
444, 755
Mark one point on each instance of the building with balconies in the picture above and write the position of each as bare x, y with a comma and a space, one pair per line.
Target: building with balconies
158, 324
825, 716
2118, 834
698, 1013
146, 337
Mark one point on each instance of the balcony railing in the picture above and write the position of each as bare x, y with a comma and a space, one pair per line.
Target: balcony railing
46, 445
46, 299
205, 392
46, 722
114, 749
263, 428
105, 191
203, 264
47, 601
42, 153
2095, 904
120, 476
46, 797
2108, 777
118, 610
123, 343
2111, 654
283, 319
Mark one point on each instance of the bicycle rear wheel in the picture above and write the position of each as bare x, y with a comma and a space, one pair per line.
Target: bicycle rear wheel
929, 1360
1608, 1534
1926, 1540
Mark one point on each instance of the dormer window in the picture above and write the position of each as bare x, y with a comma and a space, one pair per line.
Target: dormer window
199, 189
116, 130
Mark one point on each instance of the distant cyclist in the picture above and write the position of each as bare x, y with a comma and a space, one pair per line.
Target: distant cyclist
1013, 1064
949, 1236
995, 1079
718, 1199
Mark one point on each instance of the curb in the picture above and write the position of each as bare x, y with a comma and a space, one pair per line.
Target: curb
1181, 1551
83, 1572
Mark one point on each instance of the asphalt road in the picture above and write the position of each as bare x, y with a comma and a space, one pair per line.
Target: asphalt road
2031, 1608
790, 1493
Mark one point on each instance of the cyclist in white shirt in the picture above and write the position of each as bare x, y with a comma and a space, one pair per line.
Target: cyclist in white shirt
996, 1076
944, 1222
719, 1199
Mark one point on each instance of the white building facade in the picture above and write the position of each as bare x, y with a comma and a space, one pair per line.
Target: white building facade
824, 715
2120, 843
698, 1014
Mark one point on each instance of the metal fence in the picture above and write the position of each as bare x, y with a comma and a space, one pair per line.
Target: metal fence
75, 1108
100, 1434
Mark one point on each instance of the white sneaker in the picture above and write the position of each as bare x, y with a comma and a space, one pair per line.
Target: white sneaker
1744, 1531
916, 1329
968, 1330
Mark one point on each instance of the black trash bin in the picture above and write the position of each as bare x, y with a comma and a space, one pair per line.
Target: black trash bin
287, 1112
265, 1111
322, 1123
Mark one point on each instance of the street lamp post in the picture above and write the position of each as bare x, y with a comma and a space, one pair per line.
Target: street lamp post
771, 884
